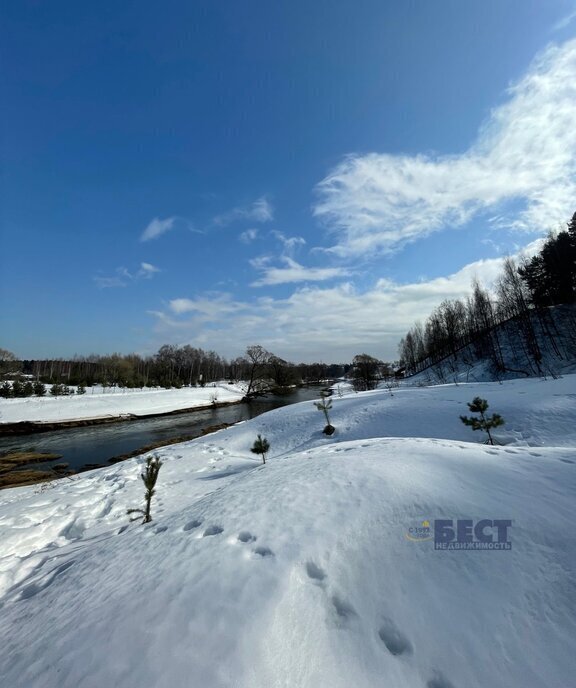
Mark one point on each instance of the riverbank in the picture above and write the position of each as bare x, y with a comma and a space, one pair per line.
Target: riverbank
85, 445
12, 473
99, 406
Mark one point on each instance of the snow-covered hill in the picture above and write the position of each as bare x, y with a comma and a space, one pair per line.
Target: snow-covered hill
304, 572
554, 330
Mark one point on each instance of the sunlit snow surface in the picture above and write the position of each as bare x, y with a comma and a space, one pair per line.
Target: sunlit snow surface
99, 403
299, 574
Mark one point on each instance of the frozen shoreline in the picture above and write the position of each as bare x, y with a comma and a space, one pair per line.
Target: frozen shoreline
40, 414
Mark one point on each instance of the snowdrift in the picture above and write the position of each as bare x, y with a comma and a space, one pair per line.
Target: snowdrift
302, 573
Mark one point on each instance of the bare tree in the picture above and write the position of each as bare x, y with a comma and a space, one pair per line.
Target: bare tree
258, 359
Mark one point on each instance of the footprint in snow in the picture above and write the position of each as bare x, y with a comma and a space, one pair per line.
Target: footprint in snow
245, 536
263, 551
191, 525
212, 530
439, 682
342, 609
315, 572
395, 641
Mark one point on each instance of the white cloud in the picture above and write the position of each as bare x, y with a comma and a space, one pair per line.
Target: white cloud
290, 244
319, 323
525, 154
147, 270
123, 277
248, 236
293, 272
157, 227
564, 22
259, 211
109, 282
210, 306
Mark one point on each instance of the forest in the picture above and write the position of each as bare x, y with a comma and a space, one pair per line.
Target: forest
524, 295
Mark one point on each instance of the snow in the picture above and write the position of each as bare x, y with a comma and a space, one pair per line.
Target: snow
299, 573
99, 403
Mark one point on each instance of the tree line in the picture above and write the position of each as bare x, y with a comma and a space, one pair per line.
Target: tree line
171, 366
523, 296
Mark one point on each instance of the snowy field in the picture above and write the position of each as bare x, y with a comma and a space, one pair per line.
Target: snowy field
99, 403
302, 573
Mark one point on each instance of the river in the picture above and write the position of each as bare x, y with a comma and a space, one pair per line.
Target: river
97, 444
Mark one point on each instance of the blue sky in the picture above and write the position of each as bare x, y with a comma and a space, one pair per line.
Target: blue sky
310, 176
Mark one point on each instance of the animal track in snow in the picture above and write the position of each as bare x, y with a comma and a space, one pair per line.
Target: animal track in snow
439, 682
566, 461
196, 523
396, 642
343, 610
212, 530
245, 536
263, 551
315, 572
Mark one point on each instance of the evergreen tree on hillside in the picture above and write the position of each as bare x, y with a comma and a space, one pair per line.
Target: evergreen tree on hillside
551, 275
149, 478
261, 446
325, 405
485, 422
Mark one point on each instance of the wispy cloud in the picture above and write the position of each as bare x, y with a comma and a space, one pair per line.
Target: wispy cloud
211, 305
147, 271
260, 210
157, 227
294, 272
248, 236
123, 277
289, 244
525, 153
341, 319
565, 21
110, 282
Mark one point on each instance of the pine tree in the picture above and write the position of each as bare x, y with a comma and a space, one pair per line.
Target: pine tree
149, 478
325, 405
39, 389
261, 446
6, 390
56, 390
17, 389
480, 406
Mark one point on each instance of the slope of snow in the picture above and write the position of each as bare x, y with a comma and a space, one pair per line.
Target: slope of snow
117, 403
558, 357
299, 573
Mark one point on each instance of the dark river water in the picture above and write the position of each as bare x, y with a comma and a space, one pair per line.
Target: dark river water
97, 443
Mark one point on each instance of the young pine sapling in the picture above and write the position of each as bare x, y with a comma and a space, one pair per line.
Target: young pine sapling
261, 446
325, 405
485, 422
149, 478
